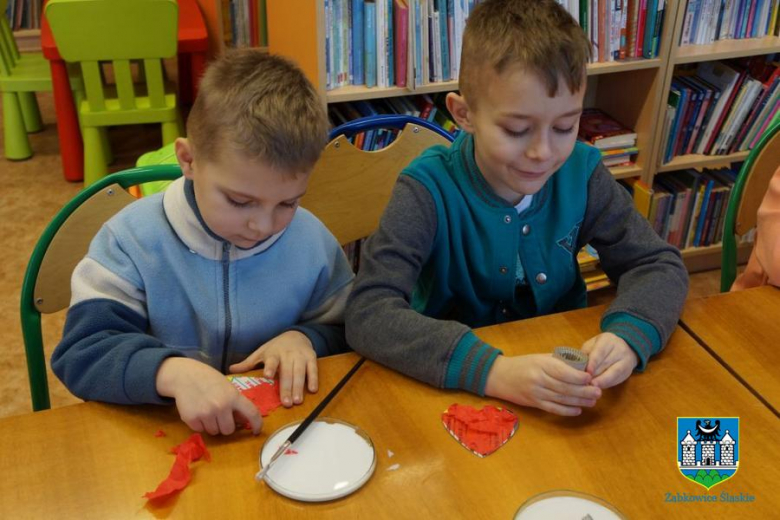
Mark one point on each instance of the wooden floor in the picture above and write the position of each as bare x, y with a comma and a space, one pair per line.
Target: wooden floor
31, 193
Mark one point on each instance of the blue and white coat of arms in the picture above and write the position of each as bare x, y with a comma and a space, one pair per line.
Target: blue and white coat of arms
708, 449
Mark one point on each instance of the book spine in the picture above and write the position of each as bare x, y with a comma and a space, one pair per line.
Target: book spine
390, 43
652, 12
370, 39
358, 34
401, 25
444, 46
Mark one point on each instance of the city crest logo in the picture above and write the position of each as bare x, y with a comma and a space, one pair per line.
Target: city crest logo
708, 448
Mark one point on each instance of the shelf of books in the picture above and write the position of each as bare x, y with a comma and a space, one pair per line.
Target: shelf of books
416, 43
721, 91
24, 20
699, 160
726, 49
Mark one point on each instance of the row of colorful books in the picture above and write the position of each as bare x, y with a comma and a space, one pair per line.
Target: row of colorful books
430, 108
707, 21
721, 107
620, 29
399, 42
244, 23
24, 14
616, 142
687, 208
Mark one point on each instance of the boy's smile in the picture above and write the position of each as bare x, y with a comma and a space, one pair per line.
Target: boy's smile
521, 134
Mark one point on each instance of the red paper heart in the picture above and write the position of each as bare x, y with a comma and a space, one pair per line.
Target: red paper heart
480, 431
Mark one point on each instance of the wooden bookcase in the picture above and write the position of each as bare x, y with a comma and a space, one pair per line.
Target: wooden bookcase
631, 91
709, 257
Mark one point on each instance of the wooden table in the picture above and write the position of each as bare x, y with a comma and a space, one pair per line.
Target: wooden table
742, 330
192, 48
95, 461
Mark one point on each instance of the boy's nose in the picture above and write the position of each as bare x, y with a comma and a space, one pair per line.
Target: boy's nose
261, 224
539, 150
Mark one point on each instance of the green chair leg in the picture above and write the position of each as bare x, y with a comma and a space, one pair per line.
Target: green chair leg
17, 147
106, 144
170, 132
30, 112
95, 165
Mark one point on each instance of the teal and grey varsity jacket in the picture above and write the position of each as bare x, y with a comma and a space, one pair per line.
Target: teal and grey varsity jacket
450, 255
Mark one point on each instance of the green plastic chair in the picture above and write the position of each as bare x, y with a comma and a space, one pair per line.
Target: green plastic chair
21, 76
65, 241
746, 196
94, 32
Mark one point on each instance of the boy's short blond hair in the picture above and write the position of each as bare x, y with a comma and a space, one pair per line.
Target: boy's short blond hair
262, 107
536, 35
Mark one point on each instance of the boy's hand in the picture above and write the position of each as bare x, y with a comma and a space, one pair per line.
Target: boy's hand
541, 381
610, 361
206, 400
293, 355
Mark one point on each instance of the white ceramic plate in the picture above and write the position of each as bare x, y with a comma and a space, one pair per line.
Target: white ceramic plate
333, 459
564, 505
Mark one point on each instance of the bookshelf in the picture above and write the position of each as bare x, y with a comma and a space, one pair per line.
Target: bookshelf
28, 40
700, 258
629, 90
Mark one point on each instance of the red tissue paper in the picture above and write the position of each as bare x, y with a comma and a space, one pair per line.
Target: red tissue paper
265, 397
191, 450
480, 431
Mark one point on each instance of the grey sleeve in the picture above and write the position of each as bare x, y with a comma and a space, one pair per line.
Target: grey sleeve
651, 277
380, 323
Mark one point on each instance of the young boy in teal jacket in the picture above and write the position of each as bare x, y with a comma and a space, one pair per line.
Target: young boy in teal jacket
488, 230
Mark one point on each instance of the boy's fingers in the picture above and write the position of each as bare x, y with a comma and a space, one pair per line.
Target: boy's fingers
254, 359
247, 410
299, 378
596, 358
559, 370
588, 345
225, 421
559, 409
312, 375
569, 400
195, 425
577, 391
285, 383
614, 375
210, 425
271, 364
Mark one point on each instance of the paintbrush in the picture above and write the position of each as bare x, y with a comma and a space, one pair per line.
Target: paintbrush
306, 422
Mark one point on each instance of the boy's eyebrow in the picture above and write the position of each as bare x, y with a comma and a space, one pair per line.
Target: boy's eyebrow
252, 197
574, 112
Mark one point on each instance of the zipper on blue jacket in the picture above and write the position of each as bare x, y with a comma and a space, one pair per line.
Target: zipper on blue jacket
226, 296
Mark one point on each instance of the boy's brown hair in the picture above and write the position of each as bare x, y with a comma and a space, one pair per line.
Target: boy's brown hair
262, 107
537, 35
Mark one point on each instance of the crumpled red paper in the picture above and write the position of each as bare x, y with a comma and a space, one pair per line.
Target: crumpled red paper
481, 431
265, 397
191, 450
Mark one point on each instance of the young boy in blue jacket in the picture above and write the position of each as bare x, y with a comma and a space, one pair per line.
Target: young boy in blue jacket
488, 230
221, 272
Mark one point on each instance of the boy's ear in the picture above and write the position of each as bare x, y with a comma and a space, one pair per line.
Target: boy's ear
184, 155
460, 110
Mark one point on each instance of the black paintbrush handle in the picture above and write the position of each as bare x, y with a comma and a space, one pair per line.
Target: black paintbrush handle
313, 415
